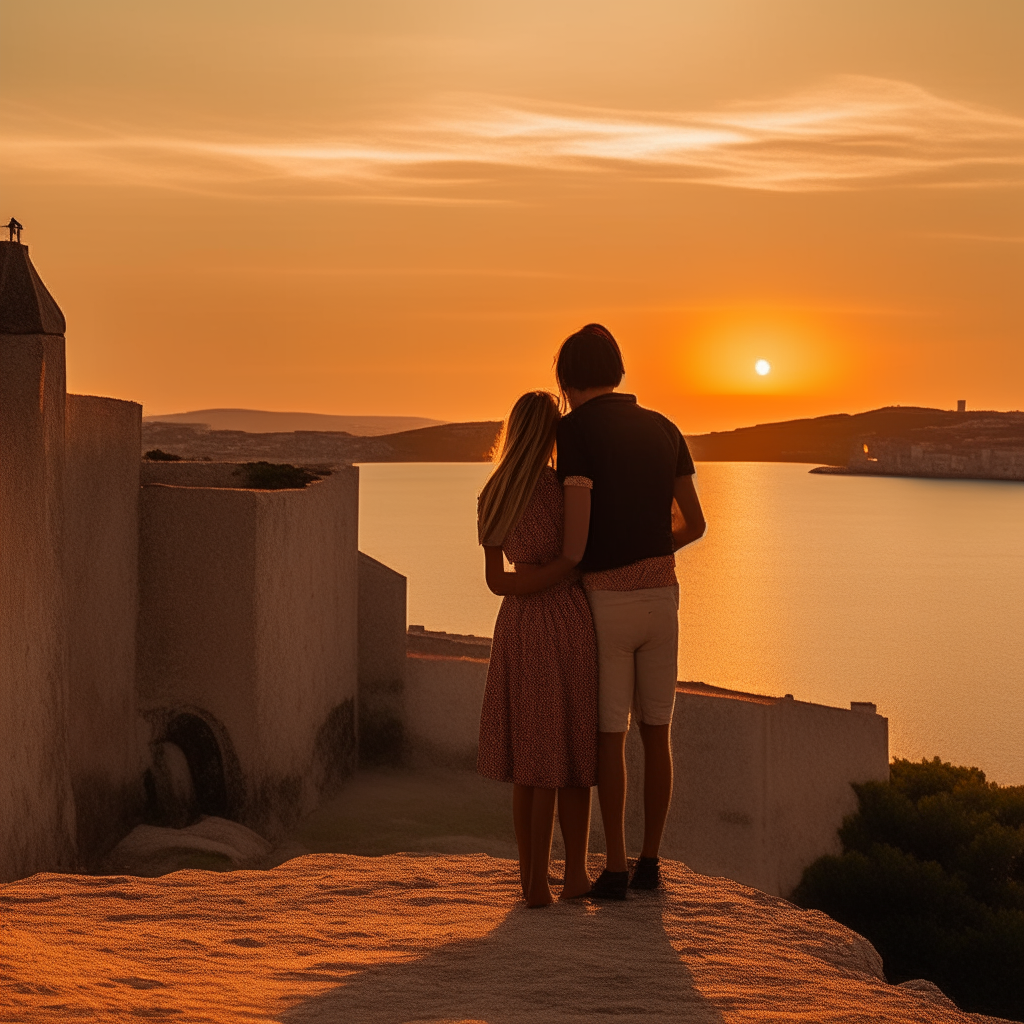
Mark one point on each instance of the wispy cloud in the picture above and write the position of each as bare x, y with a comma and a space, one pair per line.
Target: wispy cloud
849, 133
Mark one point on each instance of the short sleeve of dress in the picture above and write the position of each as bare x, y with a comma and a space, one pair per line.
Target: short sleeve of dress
572, 456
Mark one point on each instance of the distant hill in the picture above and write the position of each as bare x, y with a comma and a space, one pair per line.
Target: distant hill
830, 439
448, 442
258, 421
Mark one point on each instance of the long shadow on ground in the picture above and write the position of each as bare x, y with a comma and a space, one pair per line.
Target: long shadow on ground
567, 963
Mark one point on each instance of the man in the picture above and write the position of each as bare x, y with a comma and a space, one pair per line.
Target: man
634, 467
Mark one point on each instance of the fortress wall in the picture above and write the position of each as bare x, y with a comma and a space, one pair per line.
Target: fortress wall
37, 819
106, 743
248, 623
382, 611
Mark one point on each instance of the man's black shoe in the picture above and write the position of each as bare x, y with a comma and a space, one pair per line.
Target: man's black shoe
610, 885
646, 874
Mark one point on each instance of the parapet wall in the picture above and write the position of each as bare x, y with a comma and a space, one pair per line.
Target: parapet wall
762, 784
101, 533
444, 691
248, 630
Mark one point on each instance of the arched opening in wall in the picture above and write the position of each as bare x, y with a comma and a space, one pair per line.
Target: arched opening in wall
199, 744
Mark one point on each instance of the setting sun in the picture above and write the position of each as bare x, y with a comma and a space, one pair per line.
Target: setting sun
763, 367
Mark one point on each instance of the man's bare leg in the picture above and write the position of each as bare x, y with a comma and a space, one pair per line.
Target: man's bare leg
611, 795
574, 821
542, 824
657, 784
522, 814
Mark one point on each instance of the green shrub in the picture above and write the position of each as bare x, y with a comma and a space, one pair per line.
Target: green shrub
932, 872
157, 455
275, 476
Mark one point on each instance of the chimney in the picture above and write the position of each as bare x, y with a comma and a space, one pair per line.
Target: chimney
961, 405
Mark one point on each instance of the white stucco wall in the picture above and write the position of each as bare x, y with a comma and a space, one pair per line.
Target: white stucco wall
443, 697
105, 737
37, 820
382, 611
760, 787
248, 619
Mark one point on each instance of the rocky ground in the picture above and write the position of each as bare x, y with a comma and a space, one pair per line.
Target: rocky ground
427, 937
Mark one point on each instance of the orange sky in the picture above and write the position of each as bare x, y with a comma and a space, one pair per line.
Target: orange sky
402, 207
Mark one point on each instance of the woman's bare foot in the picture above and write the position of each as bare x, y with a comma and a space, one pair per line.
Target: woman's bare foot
574, 888
540, 896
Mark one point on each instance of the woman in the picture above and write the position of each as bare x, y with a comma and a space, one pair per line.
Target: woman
538, 726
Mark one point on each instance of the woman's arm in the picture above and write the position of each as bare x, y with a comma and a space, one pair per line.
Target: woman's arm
692, 525
529, 579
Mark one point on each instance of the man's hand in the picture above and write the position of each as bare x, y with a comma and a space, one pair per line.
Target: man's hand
688, 523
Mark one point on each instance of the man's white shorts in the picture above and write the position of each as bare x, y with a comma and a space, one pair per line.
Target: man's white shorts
637, 653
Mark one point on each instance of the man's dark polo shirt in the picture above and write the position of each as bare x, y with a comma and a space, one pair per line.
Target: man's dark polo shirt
633, 455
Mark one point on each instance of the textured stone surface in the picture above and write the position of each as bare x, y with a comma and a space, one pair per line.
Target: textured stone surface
386, 940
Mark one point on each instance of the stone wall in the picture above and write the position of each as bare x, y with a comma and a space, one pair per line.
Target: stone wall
248, 639
382, 603
37, 818
101, 531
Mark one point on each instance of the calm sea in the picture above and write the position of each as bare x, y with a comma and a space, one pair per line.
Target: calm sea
908, 593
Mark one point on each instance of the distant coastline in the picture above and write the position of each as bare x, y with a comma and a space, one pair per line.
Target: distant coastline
857, 471
893, 441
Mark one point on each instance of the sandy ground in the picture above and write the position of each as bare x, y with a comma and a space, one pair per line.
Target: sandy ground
404, 937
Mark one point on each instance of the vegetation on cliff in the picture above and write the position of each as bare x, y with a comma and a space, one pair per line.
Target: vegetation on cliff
932, 872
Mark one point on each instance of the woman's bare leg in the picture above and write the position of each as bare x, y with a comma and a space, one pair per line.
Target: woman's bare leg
611, 795
574, 821
522, 813
542, 823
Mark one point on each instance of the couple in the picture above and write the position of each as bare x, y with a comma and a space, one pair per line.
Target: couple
589, 625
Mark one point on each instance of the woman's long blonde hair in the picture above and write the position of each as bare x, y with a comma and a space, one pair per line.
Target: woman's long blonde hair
523, 450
